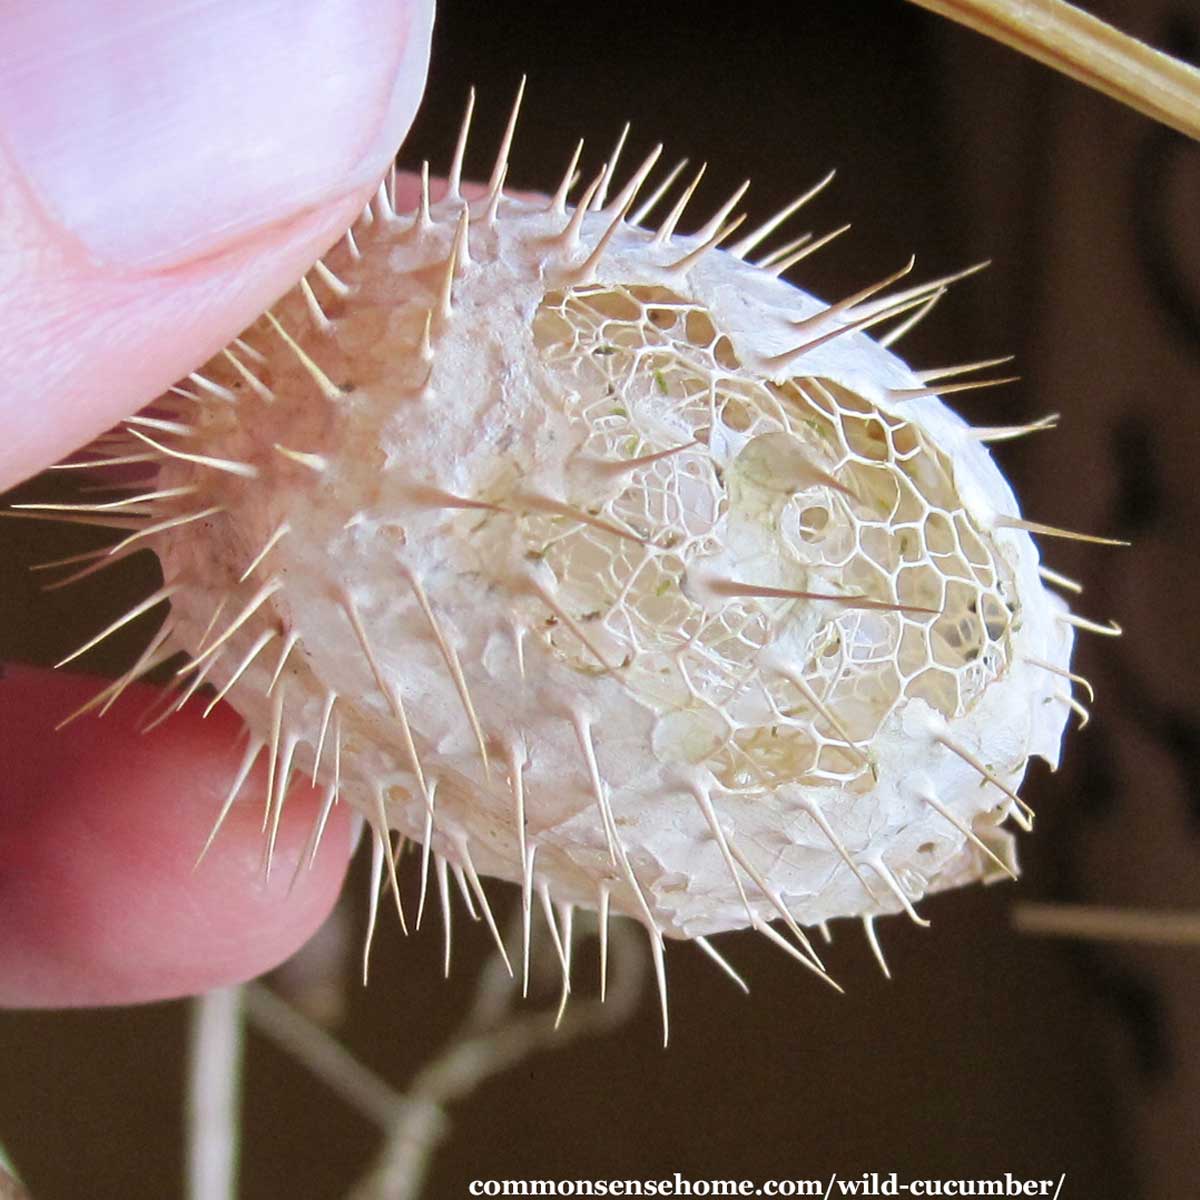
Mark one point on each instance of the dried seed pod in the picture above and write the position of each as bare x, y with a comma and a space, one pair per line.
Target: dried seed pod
597, 558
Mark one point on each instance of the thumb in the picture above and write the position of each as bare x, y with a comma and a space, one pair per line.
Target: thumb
167, 170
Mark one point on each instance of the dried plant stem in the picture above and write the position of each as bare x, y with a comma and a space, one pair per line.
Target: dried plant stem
214, 1087
1109, 924
1088, 50
323, 1054
492, 1039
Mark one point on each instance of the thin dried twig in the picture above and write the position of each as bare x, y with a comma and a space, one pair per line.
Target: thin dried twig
1109, 924
492, 1039
323, 1054
1088, 50
214, 1090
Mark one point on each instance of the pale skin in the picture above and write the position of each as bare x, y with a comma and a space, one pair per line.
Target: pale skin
156, 193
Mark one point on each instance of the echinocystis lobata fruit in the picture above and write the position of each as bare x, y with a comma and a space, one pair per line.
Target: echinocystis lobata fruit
595, 557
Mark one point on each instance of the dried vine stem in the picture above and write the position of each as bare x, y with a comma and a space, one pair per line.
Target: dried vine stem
1109, 924
1088, 50
214, 1091
492, 1038
323, 1054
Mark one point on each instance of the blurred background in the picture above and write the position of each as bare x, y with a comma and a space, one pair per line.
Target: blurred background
989, 1050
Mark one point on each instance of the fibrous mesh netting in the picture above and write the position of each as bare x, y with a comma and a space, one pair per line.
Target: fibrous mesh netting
820, 491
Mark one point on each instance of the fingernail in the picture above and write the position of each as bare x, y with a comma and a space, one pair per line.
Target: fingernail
153, 134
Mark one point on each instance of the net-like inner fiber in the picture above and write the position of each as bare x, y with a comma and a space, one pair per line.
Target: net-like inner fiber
822, 492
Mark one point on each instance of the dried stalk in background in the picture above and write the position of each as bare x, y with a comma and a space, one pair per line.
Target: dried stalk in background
213, 1096
1146, 926
495, 1035
1091, 52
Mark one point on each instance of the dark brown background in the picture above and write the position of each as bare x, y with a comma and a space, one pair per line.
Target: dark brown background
990, 1051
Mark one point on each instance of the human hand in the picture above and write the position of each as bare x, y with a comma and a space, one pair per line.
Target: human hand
167, 170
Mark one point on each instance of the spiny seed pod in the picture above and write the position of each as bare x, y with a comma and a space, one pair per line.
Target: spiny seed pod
595, 557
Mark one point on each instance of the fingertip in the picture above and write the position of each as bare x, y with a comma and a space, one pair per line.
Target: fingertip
100, 898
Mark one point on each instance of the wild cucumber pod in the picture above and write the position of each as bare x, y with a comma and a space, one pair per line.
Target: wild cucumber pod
596, 557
